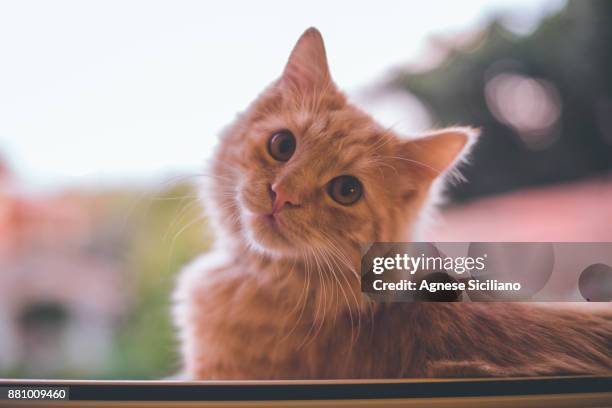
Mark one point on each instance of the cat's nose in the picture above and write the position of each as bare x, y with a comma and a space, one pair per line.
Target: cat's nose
281, 198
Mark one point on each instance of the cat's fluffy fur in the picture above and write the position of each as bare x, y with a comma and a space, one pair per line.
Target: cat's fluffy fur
284, 302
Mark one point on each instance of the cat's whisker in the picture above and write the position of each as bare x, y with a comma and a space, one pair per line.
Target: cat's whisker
153, 196
201, 218
379, 162
328, 261
341, 255
385, 137
302, 299
185, 227
417, 162
172, 198
212, 176
335, 251
307, 295
321, 274
174, 180
186, 207
334, 288
308, 265
319, 323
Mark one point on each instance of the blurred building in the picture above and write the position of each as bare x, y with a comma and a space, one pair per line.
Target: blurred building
59, 298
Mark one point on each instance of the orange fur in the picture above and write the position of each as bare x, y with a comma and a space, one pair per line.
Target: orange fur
285, 302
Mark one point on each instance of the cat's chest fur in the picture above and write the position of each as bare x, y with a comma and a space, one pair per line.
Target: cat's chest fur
230, 315
241, 318
245, 319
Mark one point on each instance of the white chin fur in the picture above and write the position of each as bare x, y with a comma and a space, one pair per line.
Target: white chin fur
257, 242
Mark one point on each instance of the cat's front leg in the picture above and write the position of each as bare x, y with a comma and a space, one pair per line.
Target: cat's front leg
200, 300
230, 322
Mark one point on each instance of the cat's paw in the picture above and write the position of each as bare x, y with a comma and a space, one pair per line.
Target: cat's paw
450, 369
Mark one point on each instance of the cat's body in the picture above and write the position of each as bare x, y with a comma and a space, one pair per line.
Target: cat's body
247, 319
279, 297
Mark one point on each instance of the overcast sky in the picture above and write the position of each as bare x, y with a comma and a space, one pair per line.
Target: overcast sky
118, 91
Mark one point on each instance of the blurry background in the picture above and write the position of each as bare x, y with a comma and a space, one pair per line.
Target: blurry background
108, 110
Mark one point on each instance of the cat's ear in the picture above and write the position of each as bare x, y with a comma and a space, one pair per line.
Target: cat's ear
438, 152
307, 69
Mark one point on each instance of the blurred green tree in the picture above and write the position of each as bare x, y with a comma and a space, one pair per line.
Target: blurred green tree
165, 230
559, 75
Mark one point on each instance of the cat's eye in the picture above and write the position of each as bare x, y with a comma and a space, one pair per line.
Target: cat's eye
282, 145
345, 190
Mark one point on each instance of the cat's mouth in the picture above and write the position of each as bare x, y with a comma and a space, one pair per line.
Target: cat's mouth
268, 231
270, 220
273, 223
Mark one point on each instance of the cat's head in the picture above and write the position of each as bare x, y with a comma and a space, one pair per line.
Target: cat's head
303, 169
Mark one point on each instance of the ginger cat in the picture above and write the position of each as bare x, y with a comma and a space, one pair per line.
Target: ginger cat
298, 182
